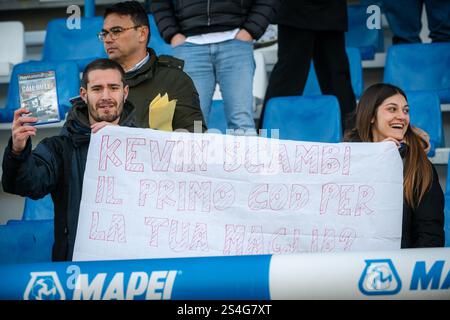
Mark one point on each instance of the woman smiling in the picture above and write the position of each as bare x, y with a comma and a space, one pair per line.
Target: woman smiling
382, 114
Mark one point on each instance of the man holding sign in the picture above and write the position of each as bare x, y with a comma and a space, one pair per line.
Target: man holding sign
57, 164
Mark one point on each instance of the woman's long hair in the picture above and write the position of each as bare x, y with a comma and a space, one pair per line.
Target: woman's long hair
417, 171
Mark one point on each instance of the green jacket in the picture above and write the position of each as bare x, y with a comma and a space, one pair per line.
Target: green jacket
162, 75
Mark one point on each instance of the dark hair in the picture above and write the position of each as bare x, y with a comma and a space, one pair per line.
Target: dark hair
417, 170
133, 9
366, 110
101, 64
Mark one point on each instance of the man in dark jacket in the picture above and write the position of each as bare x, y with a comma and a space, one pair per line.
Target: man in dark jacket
125, 34
215, 39
57, 164
312, 30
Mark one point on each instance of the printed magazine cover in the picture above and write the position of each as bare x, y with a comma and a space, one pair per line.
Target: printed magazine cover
38, 94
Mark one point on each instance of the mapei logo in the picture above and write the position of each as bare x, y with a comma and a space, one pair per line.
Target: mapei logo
155, 285
380, 278
44, 286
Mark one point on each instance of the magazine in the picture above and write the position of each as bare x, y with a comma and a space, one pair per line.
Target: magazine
38, 94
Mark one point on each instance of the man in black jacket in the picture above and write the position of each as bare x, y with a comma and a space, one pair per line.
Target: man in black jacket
125, 35
215, 39
57, 164
312, 29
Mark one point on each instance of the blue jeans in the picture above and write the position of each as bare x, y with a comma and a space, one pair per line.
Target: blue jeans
232, 66
404, 17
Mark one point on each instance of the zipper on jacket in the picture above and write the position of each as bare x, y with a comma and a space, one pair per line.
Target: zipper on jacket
208, 12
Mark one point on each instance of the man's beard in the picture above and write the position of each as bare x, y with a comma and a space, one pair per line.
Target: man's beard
112, 116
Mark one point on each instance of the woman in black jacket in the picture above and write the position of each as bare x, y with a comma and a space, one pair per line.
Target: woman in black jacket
382, 114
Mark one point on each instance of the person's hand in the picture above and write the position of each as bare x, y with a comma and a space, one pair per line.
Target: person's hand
243, 35
21, 131
424, 136
177, 40
397, 143
99, 125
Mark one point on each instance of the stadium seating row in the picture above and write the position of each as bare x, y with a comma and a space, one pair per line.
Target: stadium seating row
401, 69
368, 41
81, 46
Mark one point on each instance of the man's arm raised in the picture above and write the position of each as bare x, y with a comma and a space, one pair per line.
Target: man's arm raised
21, 130
27, 172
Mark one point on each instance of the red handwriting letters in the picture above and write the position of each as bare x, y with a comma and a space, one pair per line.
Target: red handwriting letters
185, 156
108, 151
284, 240
131, 155
115, 233
109, 182
160, 162
179, 237
278, 197
343, 195
193, 196
307, 159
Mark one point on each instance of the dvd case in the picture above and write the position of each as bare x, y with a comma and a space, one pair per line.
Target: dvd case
38, 94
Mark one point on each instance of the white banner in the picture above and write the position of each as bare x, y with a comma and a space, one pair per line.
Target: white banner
153, 194
401, 274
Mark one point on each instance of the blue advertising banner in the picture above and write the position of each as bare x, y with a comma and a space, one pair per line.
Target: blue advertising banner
215, 278
399, 274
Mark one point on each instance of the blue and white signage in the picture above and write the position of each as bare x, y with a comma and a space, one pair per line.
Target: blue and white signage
380, 278
401, 274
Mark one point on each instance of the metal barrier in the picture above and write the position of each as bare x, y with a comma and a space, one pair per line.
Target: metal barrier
402, 274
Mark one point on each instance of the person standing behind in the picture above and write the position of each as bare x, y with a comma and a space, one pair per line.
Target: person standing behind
125, 35
405, 19
312, 29
215, 39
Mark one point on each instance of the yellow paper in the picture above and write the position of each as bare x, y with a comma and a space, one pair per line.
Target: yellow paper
156, 99
161, 113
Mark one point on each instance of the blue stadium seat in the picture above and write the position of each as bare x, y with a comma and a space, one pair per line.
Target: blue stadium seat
83, 46
157, 43
415, 67
368, 41
304, 118
67, 81
80, 45
425, 113
41, 209
26, 242
216, 118
312, 86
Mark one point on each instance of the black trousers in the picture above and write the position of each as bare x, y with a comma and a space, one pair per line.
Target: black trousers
296, 48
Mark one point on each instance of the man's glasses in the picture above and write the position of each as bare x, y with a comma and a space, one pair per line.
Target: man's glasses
114, 32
